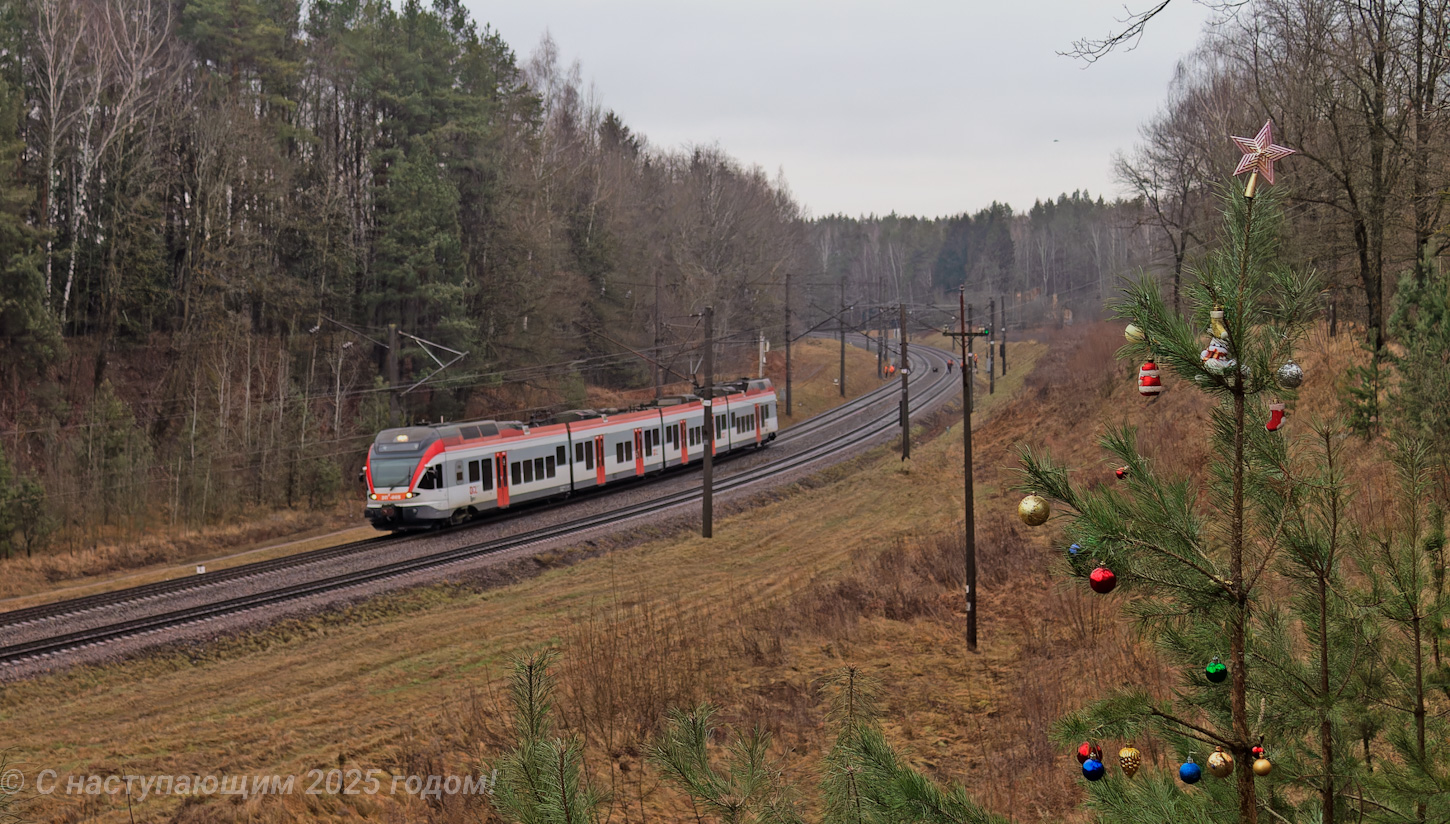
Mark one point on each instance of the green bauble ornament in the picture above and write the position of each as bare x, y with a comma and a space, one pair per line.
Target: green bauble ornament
1216, 671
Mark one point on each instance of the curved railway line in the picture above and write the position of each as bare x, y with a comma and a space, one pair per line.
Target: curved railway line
48, 630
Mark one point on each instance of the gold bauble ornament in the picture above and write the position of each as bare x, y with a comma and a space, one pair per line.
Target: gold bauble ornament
1262, 766
1034, 510
1134, 334
1220, 764
1129, 758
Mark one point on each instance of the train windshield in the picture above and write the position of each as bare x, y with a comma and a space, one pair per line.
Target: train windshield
393, 471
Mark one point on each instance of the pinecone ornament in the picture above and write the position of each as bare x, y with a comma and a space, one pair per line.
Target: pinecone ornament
1129, 758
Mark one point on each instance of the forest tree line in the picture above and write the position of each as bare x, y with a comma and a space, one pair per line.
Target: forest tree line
217, 213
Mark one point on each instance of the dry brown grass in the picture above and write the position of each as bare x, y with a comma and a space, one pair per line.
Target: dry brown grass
861, 564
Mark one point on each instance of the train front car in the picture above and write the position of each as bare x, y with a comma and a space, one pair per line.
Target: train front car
404, 475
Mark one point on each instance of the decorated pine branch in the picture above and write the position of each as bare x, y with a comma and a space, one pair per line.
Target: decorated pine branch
1190, 562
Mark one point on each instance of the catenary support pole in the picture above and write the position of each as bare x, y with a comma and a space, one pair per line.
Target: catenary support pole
394, 410
841, 329
992, 328
970, 516
905, 400
788, 408
707, 502
1002, 347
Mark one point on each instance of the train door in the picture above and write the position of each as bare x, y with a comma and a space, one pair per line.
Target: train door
501, 475
599, 459
684, 442
639, 452
757, 423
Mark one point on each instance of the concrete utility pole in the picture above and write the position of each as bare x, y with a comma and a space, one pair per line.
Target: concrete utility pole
967, 362
1002, 347
991, 325
966, 333
905, 401
971, 515
787, 344
707, 502
841, 329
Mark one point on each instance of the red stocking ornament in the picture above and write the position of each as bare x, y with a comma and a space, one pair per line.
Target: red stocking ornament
1276, 416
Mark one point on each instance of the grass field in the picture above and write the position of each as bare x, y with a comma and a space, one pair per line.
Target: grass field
270, 701
860, 565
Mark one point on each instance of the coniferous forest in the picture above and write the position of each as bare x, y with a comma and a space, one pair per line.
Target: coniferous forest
216, 216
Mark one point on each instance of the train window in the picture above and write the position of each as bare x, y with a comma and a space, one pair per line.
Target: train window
528, 472
560, 456
471, 432
539, 468
516, 472
578, 452
588, 458
487, 479
550, 464
649, 446
429, 479
473, 472
619, 452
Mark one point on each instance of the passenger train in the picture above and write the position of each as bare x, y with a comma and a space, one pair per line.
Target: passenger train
420, 477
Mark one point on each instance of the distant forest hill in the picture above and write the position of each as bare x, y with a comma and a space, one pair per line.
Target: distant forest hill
220, 212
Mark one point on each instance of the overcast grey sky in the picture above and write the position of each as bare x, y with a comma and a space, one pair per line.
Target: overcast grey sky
922, 107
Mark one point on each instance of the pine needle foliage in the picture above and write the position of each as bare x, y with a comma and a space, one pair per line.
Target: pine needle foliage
747, 787
542, 780
865, 781
1192, 562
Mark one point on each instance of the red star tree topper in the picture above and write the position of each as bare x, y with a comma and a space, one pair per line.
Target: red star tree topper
1260, 152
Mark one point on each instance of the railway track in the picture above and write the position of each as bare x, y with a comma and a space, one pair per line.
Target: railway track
873, 427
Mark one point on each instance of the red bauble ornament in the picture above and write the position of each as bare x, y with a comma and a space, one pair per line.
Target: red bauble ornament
1121, 472
1102, 580
1089, 750
1258, 751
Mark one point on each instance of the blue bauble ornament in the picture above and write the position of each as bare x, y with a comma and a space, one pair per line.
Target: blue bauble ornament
1093, 769
1190, 773
1074, 549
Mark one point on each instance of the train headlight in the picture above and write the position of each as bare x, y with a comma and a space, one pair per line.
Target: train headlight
373, 495
411, 494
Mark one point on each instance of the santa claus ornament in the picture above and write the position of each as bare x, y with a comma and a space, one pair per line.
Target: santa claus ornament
1149, 384
1102, 580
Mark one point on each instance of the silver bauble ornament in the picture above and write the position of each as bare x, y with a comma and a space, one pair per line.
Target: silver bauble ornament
1290, 375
